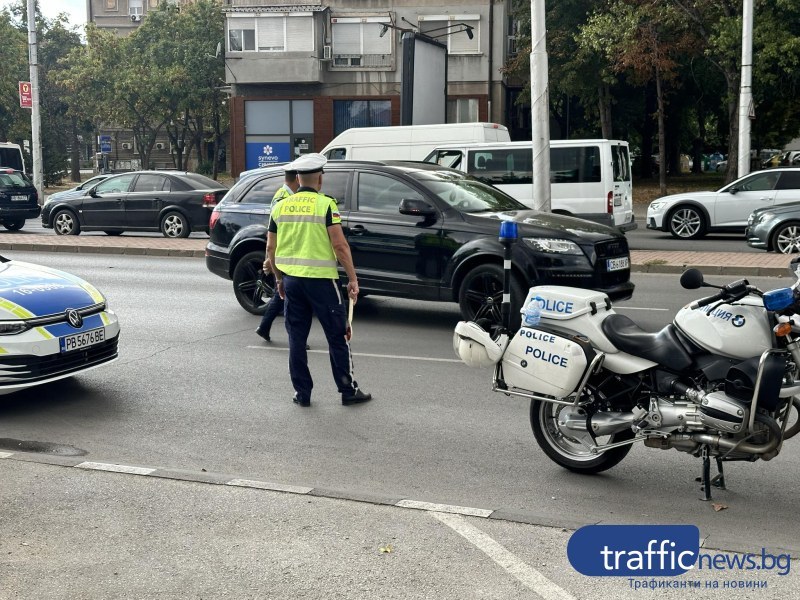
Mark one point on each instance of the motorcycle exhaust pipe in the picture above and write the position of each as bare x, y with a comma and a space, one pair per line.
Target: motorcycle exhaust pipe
717, 442
609, 423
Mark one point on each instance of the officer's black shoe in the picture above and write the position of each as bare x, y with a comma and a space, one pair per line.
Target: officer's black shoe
263, 334
357, 397
301, 401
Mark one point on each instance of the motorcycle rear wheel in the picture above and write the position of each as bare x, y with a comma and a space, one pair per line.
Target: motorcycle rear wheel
570, 454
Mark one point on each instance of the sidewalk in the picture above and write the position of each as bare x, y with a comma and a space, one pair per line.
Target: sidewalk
642, 261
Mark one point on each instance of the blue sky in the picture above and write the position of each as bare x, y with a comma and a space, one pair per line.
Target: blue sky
76, 9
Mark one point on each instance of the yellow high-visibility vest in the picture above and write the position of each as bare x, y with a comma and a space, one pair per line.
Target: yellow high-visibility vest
303, 246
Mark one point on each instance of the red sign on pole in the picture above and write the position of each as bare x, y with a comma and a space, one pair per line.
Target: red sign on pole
25, 95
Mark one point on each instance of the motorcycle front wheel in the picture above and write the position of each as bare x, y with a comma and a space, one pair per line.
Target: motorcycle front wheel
570, 453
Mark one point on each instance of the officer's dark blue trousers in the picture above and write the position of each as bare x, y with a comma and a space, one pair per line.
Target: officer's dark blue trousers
307, 297
274, 308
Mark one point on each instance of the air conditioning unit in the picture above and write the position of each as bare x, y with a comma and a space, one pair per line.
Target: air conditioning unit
327, 52
136, 18
126, 145
160, 145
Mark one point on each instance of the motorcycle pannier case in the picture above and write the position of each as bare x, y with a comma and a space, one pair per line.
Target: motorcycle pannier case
546, 362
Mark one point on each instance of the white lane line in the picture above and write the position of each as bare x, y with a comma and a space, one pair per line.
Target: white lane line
445, 508
96, 466
6, 454
264, 485
392, 356
524, 573
640, 308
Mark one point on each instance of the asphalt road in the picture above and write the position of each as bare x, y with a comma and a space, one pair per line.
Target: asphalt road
196, 389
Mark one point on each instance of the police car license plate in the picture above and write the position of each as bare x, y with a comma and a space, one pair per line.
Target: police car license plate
616, 264
19, 198
78, 341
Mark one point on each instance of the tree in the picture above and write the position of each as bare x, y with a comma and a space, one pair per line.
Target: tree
644, 38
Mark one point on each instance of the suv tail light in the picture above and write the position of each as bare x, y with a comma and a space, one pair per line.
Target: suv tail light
610, 203
210, 200
214, 218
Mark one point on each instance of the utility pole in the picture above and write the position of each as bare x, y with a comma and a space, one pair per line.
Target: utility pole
36, 122
540, 108
746, 89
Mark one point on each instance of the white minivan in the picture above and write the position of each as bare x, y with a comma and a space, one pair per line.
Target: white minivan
409, 142
11, 156
590, 179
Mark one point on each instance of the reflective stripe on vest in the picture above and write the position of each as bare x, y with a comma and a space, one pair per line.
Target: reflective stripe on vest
303, 246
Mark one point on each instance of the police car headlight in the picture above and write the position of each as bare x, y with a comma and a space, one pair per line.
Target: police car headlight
12, 327
553, 246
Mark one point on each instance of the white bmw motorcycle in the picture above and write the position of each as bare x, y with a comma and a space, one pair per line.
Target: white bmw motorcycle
721, 381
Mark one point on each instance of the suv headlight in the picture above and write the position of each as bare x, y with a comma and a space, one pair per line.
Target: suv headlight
12, 327
764, 217
657, 204
554, 246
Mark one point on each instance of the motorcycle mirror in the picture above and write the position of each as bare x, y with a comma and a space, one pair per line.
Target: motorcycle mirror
691, 279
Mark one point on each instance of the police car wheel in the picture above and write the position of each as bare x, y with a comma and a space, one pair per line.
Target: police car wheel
481, 295
246, 274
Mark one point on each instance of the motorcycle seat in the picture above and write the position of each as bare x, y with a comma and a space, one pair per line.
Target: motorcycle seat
662, 347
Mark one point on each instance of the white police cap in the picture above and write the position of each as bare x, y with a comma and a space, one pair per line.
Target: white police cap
308, 163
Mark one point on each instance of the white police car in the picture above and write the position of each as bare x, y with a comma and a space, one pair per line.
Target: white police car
52, 325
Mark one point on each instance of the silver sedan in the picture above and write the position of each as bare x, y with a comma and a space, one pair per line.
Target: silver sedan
775, 228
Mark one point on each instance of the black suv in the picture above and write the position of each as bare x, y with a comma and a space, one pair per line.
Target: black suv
19, 199
422, 231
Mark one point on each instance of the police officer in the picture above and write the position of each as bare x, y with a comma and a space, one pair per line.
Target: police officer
275, 306
304, 241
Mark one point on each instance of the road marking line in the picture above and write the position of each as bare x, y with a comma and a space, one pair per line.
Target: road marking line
391, 356
524, 573
445, 508
6, 454
264, 485
115, 468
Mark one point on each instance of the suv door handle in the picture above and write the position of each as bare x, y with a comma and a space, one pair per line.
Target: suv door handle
358, 229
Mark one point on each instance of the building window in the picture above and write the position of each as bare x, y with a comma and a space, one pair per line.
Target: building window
451, 30
241, 35
462, 110
285, 33
361, 42
271, 33
135, 7
361, 113
277, 131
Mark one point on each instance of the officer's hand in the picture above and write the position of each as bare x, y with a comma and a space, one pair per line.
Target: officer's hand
352, 290
281, 290
265, 266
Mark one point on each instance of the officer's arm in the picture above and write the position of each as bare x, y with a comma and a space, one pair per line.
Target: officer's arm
342, 250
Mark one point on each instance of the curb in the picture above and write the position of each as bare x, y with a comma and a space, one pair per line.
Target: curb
652, 266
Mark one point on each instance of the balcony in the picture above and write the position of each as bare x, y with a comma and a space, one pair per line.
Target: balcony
349, 62
272, 67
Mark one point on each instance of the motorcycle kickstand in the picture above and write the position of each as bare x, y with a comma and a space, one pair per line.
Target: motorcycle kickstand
719, 479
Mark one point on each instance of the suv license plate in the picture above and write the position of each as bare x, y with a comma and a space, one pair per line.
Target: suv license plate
617, 264
19, 198
78, 341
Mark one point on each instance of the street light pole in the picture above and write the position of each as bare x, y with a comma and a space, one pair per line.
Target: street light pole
36, 122
746, 89
540, 108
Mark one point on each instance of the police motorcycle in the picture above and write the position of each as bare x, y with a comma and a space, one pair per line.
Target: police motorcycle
721, 381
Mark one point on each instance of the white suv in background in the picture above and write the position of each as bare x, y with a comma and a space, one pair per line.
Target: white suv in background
694, 214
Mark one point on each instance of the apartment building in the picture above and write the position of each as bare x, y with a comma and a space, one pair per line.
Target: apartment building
299, 74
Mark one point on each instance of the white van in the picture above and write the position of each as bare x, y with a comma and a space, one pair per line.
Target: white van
590, 179
409, 142
11, 156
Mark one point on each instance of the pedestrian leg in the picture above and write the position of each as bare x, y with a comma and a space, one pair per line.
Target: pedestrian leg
298, 314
